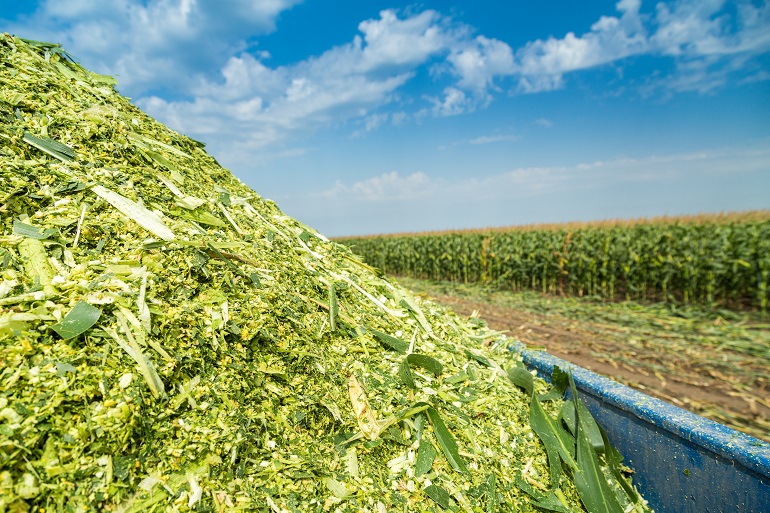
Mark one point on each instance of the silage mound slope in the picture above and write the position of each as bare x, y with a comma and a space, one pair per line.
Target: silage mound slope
229, 340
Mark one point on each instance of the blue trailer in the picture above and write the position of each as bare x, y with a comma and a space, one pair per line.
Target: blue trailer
683, 463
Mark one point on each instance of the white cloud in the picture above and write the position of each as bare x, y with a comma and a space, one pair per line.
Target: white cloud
489, 139
344, 82
616, 187
544, 123
152, 44
542, 180
454, 102
193, 64
480, 62
542, 63
391, 41
706, 27
709, 40
384, 188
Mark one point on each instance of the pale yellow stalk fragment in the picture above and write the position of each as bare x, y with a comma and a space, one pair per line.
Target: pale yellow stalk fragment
367, 421
148, 220
35, 259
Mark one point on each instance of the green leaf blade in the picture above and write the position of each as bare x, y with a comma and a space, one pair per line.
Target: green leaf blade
557, 444
592, 485
390, 341
446, 441
426, 454
32, 232
439, 495
520, 377
420, 360
77, 321
51, 147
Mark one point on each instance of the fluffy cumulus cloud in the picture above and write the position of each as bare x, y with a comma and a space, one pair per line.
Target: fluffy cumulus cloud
194, 64
347, 81
708, 40
264, 105
154, 44
479, 62
542, 64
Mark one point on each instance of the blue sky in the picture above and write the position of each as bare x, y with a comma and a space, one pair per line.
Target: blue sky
362, 117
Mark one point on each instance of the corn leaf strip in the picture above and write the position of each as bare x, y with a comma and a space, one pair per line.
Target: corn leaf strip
337, 488
35, 260
389, 341
51, 147
520, 377
594, 490
333, 308
548, 500
438, 494
552, 503
491, 492
199, 215
592, 485
556, 442
420, 360
568, 417
426, 454
446, 441
183, 200
586, 422
33, 232
559, 381
483, 360
77, 321
614, 460
143, 217
413, 307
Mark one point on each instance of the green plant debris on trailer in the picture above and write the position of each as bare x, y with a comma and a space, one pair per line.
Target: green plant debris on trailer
707, 261
171, 341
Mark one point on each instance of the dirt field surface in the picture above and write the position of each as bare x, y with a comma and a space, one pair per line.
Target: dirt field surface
718, 368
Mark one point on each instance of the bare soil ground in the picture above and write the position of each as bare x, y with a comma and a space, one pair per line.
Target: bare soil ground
718, 383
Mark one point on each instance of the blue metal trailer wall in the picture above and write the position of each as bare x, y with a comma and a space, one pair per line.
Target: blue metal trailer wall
684, 463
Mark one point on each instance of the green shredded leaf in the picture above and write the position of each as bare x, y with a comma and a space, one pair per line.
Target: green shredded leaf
77, 321
426, 454
557, 442
420, 360
491, 492
586, 421
559, 382
446, 441
51, 147
33, 232
592, 485
439, 495
333, 308
389, 341
522, 378
615, 460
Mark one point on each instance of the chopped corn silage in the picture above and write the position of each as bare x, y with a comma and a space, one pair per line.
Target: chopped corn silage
171, 341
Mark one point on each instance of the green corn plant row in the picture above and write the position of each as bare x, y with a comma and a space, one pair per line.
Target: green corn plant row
719, 262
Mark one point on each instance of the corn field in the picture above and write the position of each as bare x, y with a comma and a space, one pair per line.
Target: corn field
717, 261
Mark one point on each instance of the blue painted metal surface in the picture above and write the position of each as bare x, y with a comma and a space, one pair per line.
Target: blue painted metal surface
683, 463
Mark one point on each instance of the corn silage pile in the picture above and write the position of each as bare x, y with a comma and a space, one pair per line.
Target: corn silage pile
171, 341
